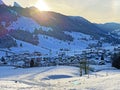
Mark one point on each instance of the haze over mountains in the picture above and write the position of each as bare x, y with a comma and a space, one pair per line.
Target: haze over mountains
27, 24
111, 27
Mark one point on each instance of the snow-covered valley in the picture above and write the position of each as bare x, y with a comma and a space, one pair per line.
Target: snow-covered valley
46, 50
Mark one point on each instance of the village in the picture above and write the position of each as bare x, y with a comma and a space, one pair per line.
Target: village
97, 56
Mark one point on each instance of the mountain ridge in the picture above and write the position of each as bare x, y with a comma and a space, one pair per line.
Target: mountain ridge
16, 4
47, 23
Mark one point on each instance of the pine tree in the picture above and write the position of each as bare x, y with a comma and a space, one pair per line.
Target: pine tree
3, 60
32, 63
21, 45
116, 61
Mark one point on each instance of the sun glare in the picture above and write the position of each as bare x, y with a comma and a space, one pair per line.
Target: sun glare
42, 6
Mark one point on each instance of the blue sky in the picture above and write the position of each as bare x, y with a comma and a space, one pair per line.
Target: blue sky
99, 11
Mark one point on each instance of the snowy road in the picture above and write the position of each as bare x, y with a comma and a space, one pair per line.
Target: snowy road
57, 78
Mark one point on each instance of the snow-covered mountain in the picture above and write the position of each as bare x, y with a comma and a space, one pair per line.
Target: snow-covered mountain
27, 24
113, 28
1, 2
17, 5
47, 30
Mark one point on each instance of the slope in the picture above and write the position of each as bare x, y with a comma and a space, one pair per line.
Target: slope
57, 77
60, 22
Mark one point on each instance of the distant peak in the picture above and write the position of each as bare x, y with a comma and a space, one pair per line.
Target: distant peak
1, 2
16, 4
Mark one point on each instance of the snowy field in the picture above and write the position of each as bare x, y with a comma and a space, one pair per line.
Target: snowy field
57, 78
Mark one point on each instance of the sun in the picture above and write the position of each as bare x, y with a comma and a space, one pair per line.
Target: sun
42, 6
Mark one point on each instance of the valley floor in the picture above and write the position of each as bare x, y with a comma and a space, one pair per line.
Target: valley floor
57, 78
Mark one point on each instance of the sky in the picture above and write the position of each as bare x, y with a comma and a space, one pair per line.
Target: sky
99, 11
